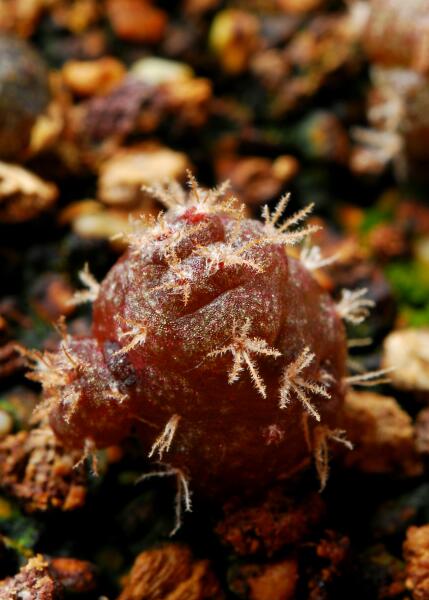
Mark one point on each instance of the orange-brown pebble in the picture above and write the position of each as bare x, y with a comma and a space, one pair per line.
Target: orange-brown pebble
136, 20
382, 433
277, 521
273, 581
92, 77
76, 576
36, 470
416, 554
170, 573
276, 582
123, 177
23, 195
299, 6
256, 179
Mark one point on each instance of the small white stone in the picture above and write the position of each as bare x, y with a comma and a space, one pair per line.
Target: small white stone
155, 71
407, 351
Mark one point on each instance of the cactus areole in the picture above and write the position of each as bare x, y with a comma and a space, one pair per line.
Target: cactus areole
220, 351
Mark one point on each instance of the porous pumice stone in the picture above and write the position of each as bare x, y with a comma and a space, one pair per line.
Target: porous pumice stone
218, 349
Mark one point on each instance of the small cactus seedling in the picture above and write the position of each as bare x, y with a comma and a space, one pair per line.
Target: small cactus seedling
396, 33
209, 341
395, 36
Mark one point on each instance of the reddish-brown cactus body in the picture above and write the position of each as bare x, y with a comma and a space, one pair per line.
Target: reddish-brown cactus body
205, 324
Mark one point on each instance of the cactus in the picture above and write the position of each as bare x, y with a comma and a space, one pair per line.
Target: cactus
212, 344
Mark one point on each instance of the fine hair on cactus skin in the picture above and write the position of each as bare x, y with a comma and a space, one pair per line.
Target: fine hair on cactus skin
229, 255
137, 332
322, 435
207, 334
241, 348
174, 198
293, 381
370, 378
312, 259
163, 442
279, 233
92, 286
353, 306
